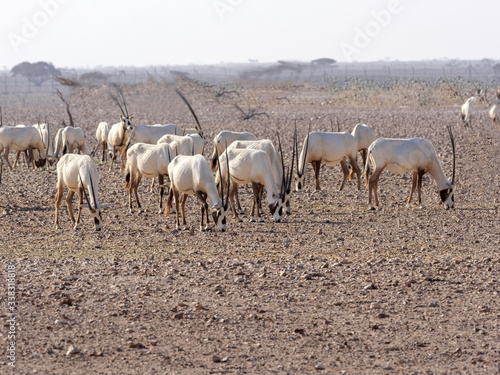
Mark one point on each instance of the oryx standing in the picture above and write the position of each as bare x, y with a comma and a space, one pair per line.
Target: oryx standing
78, 173
120, 134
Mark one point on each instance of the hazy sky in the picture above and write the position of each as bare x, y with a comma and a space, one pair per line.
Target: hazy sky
89, 33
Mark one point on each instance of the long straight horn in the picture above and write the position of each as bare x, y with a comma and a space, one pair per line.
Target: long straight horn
1, 116
305, 151
228, 177
452, 139
198, 126
220, 179
84, 192
117, 103
93, 191
290, 169
283, 178
123, 101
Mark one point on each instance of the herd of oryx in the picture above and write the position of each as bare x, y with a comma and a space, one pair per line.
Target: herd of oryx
174, 156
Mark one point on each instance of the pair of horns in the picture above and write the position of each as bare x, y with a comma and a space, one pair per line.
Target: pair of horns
225, 202
286, 179
115, 99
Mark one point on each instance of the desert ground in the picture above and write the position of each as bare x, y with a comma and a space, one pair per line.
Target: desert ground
333, 288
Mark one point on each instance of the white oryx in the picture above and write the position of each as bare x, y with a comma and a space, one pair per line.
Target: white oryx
101, 135
152, 133
191, 175
276, 160
224, 139
120, 134
494, 114
21, 138
69, 140
403, 155
327, 148
44, 130
466, 111
252, 167
365, 137
149, 161
78, 173
191, 144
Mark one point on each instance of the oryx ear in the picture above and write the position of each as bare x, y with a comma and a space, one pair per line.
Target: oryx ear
103, 207
274, 195
131, 117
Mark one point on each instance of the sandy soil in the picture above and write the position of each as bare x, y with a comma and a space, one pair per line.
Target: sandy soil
332, 288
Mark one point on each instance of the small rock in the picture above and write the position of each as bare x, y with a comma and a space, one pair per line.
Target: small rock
216, 359
179, 315
319, 367
72, 350
375, 306
382, 316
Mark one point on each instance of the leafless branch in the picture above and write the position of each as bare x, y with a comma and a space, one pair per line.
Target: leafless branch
250, 112
60, 95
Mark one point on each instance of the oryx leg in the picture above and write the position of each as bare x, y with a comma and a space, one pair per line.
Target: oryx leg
18, 153
113, 157
6, 156
103, 149
413, 186
237, 198
80, 202
123, 154
169, 202
419, 186
69, 204
57, 202
372, 188
234, 187
345, 170
202, 198
160, 182
354, 165
256, 187
153, 186
176, 197
183, 211
316, 166
136, 195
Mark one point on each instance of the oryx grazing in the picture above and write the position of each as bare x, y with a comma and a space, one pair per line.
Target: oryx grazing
120, 134
494, 114
403, 155
466, 111
249, 166
224, 139
44, 130
21, 138
69, 140
78, 173
149, 161
276, 160
191, 144
191, 175
327, 148
101, 134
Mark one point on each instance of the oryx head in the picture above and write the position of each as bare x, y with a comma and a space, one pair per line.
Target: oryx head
301, 164
447, 195
126, 120
220, 213
95, 210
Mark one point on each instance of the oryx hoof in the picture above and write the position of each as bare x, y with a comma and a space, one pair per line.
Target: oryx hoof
186, 227
371, 208
241, 212
178, 227
75, 227
422, 207
260, 220
172, 211
252, 220
130, 211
